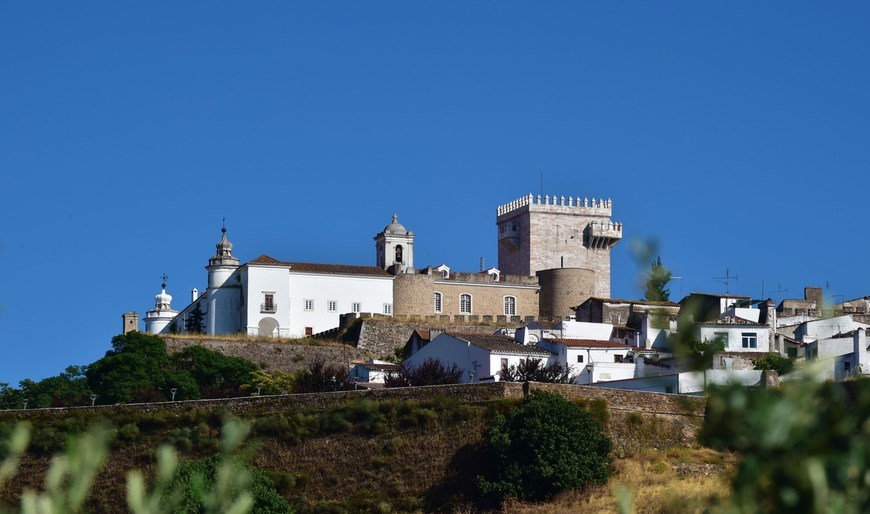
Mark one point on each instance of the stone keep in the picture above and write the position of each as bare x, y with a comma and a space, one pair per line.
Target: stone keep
536, 234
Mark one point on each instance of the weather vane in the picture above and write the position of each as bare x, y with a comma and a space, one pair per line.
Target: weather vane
164, 277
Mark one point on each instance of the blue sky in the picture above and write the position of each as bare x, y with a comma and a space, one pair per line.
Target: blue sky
735, 134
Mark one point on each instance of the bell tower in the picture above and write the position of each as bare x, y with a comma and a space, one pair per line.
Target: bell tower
395, 248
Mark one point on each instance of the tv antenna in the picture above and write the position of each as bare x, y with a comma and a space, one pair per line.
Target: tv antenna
726, 280
778, 289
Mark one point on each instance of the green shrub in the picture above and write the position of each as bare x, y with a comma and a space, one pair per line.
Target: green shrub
545, 445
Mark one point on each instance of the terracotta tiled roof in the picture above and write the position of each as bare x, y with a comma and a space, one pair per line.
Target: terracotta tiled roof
637, 302
590, 343
338, 269
733, 320
328, 269
269, 261
500, 344
423, 333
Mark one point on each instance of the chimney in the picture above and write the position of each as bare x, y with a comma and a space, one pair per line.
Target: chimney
194, 295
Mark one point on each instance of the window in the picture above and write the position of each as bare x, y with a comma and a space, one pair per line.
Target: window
847, 366
669, 389
617, 358
791, 353
504, 363
332, 305
388, 308
721, 336
510, 306
356, 307
580, 358
268, 303
437, 302
309, 331
445, 273
309, 305
465, 304
398, 253
750, 339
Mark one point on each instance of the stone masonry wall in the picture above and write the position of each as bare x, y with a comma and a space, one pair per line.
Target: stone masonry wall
413, 294
381, 338
271, 355
637, 419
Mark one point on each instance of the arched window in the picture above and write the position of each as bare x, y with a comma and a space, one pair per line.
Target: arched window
437, 302
510, 306
465, 303
398, 253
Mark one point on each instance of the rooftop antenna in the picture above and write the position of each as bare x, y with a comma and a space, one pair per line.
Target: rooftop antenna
726, 280
542, 180
681, 284
778, 289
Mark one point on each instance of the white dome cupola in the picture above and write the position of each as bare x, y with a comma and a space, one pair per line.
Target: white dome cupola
157, 319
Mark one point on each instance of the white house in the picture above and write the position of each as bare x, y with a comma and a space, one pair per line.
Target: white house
687, 382
372, 372
740, 335
479, 356
590, 361
846, 356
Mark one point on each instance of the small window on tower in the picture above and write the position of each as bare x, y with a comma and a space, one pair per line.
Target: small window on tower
398, 253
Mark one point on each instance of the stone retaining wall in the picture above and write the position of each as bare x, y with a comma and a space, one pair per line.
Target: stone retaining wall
271, 355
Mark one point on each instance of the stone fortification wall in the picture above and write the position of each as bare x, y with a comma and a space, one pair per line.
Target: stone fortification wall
271, 355
636, 419
641, 419
381, 338
564, 288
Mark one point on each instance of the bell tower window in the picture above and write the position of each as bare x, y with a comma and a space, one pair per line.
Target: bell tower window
399, 253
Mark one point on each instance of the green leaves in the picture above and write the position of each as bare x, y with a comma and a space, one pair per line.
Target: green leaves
545, 445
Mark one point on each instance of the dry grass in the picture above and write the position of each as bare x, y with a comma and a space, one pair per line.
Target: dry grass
660, 481
241, 338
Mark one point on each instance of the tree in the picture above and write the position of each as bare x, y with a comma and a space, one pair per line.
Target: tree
321, 377
193, 324
775, 362
138, 369
217, 375
545, 445
533, 370
430, 372
656, 282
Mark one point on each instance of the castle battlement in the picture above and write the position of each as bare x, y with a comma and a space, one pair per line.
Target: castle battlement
580, 206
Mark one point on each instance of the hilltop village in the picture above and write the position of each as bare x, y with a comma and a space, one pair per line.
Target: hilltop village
547, 301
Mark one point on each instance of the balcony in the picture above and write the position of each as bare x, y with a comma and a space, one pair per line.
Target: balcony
603, 234
269, 308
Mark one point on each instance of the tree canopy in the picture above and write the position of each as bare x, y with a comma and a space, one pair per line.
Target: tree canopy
545, 445
657, 279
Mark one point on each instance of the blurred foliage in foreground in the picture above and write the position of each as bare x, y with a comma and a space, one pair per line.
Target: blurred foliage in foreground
221, 484
805, 446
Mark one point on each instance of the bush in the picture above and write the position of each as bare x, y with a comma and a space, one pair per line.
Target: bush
545, 445
429, 372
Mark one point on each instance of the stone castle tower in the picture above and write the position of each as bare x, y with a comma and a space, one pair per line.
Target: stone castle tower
537, 234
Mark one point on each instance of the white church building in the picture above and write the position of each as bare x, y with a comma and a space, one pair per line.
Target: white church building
268, 297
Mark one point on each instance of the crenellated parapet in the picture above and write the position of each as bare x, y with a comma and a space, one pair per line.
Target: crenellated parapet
603, 234
587, 206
